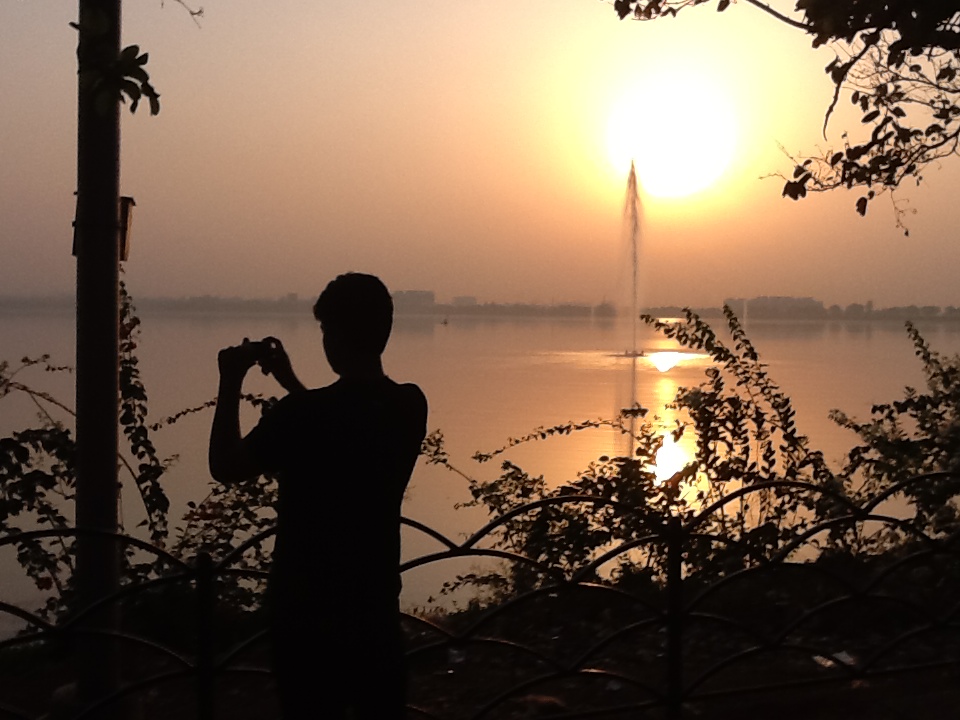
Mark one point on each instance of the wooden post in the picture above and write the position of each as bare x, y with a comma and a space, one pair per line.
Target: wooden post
205, 590
97, 394
675, 617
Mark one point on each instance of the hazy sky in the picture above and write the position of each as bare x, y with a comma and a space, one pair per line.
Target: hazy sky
463, 147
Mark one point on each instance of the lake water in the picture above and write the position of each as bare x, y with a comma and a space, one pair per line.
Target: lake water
486, 380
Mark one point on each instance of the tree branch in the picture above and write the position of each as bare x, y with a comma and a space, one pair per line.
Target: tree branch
195, 15
838, 86
781, 17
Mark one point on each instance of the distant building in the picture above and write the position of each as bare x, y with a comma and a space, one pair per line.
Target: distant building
465, 301
778, 308
414, 300
605, 310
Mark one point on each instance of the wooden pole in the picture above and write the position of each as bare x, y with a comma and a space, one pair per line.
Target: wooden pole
97, 375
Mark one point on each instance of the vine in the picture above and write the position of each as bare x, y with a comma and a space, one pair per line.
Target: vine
38, 478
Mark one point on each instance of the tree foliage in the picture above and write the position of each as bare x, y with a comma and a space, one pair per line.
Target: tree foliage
38, 482
916, 435
896, 60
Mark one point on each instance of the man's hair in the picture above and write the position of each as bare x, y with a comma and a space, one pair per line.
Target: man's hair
358, 309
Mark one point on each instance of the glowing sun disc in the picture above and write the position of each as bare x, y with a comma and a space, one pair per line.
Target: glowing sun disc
679, 128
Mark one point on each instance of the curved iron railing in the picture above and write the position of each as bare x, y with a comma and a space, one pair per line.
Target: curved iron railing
569, 644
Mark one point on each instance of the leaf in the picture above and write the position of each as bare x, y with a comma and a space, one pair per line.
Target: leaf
723, 5
871, 116
862, 206
154, 97
129, 54
139, 74
794, 190
133, 92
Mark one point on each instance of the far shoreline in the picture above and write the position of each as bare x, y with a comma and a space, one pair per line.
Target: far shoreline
758, 310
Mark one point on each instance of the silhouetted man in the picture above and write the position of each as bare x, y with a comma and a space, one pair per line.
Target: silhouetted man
344, 454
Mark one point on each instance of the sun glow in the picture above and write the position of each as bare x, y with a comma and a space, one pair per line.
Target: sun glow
670, 459
678, 127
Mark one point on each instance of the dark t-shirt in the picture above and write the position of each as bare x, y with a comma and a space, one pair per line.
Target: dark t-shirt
344, 454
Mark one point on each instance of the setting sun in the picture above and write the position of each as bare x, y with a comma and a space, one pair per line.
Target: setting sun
678, 127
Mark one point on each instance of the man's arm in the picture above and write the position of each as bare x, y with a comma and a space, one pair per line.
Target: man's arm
228, 458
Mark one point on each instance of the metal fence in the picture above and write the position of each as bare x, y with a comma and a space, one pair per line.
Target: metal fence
800, 631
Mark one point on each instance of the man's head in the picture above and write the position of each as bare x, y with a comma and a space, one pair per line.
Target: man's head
356, 313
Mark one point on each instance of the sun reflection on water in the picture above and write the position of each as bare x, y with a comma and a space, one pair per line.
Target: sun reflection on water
670, 459
669, 359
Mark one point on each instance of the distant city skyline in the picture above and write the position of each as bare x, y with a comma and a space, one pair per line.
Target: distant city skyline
412, 301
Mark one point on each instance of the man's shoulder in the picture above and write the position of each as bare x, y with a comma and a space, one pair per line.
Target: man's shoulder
411, 398
304, 402
405, 394
410, 391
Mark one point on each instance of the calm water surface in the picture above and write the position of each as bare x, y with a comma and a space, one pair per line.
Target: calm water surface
486, 381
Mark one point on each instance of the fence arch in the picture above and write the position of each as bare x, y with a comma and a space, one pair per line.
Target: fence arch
576, 642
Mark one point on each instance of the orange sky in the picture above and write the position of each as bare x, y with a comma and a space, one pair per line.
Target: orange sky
458, 147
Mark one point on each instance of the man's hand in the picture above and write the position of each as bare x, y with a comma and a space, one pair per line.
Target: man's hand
275, 361
235, 361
